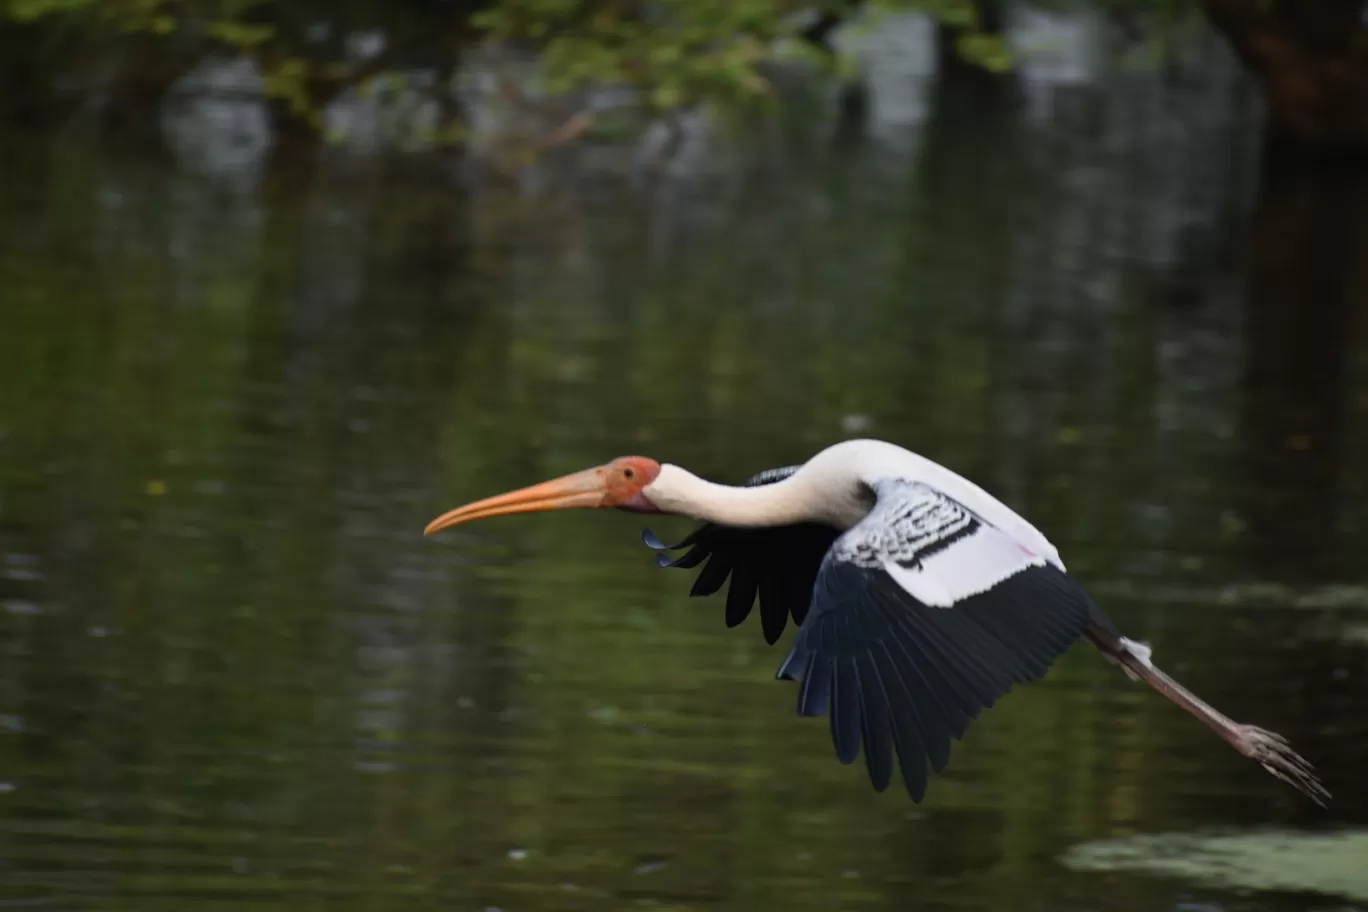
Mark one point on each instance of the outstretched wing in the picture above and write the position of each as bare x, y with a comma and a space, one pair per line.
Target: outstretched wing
779, 564
922, 615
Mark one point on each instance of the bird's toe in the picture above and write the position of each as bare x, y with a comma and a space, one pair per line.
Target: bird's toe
1272, 751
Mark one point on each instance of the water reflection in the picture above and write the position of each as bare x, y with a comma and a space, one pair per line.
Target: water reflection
236, 674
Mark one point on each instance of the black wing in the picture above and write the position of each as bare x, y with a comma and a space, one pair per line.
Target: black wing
778, 563
922, 615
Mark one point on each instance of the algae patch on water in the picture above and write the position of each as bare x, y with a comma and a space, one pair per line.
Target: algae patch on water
1329, 863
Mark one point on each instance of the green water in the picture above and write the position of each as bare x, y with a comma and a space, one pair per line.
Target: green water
236, 675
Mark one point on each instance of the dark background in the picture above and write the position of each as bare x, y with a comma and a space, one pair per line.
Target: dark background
249, 349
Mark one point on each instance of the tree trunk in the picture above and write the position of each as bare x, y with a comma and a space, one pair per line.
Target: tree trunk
1307, 282
1311, 60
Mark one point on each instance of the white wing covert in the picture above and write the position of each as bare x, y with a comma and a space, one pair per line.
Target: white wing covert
934, 546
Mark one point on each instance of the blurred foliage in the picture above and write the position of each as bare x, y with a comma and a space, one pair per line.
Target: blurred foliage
670, 54
675, 53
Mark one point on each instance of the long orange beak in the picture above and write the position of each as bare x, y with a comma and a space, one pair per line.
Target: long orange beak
582, 489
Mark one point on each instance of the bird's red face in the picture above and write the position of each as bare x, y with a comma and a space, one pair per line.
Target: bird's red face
615, 484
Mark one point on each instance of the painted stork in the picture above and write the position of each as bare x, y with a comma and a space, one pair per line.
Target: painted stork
920, 599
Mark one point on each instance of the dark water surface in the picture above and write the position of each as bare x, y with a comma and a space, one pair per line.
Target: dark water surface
236, 675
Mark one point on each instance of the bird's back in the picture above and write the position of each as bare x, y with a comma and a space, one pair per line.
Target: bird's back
875, 460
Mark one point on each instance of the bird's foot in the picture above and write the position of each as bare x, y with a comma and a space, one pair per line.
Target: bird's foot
1274, 754
1142, 653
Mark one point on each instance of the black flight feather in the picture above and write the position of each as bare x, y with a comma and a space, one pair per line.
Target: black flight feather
777, 565
931, 682
894, 674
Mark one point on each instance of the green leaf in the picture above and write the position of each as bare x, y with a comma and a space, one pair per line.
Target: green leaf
985, 50
29, 10
667, 96
240, 34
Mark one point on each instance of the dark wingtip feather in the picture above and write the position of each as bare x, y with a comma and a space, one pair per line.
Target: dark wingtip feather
712, 576
686, 561
654, 543
906, 722
916, 787
774, 610
876, 724
797, 656
845, 712
741, 593
814, 696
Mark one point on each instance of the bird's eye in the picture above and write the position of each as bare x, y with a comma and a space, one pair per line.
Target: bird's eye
627, 473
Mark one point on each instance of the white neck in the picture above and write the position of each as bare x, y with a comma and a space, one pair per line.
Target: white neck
802, 497
833, 488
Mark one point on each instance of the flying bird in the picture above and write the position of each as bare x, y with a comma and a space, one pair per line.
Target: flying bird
919, 598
